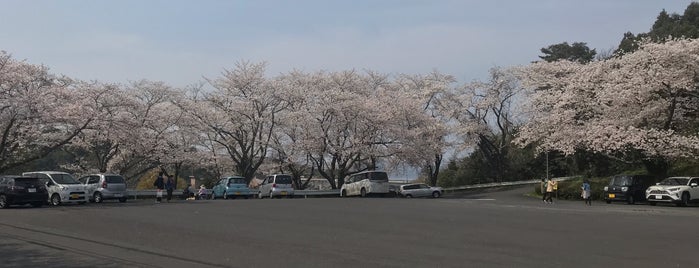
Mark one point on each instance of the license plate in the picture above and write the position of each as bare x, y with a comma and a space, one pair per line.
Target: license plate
612, 195
283, 192
117, 195
237, 193
74, 196
658, 197
31, 190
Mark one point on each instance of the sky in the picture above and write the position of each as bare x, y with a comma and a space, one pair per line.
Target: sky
182, 42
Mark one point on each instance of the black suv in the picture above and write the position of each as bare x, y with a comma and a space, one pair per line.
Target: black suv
628, 188
20, 190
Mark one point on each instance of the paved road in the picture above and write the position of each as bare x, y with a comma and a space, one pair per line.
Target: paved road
495, 229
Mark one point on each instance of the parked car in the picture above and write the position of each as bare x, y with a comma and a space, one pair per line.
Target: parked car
678, 190
20, 190
61, 187
102, 187
366, 183
278, 185
419, 190
627, 188
231, 187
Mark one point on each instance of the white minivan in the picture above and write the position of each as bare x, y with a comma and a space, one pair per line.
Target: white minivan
61, 186
366, 183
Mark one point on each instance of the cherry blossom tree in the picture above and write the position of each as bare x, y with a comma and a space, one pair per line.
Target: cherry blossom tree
424, 122
645, 101
484, 112
242, 112
39, 112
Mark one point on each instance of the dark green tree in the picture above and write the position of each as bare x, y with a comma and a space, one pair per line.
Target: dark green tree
578, 51
666, 26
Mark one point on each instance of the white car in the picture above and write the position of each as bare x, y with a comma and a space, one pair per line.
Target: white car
678, 190
419, 190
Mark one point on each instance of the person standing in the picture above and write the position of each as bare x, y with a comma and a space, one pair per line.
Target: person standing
586, 192
159, 186
169, 187
543, 189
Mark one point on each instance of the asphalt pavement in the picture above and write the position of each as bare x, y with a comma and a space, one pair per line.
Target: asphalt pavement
502, 228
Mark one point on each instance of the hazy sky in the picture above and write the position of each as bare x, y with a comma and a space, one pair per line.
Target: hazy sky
180, 42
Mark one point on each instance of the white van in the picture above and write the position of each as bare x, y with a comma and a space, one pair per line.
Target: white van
61, 186
366, 183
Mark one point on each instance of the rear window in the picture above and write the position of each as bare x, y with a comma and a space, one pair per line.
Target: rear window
27, 182
236, 181
114, 179
285, 179
378, 176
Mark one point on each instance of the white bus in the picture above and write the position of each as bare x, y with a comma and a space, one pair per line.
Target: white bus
365, 183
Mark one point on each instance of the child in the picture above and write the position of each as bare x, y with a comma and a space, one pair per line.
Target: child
202, 192
586, 192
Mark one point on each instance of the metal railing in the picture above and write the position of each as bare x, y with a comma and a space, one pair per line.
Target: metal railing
150, 193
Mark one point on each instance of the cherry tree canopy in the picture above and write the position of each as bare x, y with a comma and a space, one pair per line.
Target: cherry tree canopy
647, 100
39, 112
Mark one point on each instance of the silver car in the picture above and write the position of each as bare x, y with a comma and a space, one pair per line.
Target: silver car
102, 187
419, 190
278, 185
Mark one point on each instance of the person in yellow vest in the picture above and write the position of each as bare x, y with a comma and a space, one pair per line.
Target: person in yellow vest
551, 186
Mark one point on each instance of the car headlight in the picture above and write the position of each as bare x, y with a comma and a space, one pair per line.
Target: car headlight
675, 189
624, 189
606, 188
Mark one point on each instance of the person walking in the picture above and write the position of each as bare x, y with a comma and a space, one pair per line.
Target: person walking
550, 186
542, 187
586, 192
159, 186
169, 187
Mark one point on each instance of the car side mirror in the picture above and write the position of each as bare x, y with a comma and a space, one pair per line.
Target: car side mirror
694, 184
657, 183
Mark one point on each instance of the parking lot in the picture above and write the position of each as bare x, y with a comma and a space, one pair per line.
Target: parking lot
487, 229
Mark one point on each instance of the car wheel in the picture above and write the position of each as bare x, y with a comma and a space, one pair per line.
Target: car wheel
3, 201
362, 192
37, 204
55, 200
98, 197
259, 195
630, 200
408, 196
271, 195
652, 203
608, 201
685, 200
225, 195
122, 200
435, 194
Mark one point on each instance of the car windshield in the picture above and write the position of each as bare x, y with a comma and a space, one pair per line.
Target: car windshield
378, 176
236, 181
286, 179
674, 181
621, 181
64, 179
114, 179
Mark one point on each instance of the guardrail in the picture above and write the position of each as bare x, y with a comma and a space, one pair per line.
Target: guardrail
502, 184
150, 193
135, 194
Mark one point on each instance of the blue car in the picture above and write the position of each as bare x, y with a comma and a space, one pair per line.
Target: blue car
231, 187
